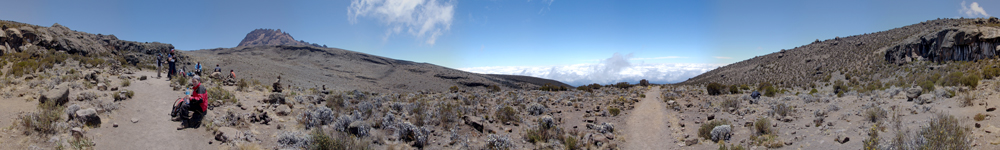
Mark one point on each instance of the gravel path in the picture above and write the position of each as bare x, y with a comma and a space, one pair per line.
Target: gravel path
647, 124
154, 130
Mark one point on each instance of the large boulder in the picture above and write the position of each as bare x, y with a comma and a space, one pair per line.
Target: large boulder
275, 98
474, 122
283, 110
88, 116
722, 132
924, 99
58, 99
912, 93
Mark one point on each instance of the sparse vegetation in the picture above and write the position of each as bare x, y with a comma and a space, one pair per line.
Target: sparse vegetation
979, 117
614, 110
714, 88
126, 83
705, 131
872, 142
729, 103
338, 141
550, 87
875, 114
218, 93
945, 132
764, 135
506, 114
242, 85
43, 121
782, 109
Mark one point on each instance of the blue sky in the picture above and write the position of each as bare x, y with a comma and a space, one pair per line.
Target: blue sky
667, 41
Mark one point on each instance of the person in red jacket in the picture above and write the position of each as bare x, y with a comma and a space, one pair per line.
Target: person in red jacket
194, 102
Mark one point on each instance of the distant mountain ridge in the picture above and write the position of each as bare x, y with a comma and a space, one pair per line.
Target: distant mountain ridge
271, 37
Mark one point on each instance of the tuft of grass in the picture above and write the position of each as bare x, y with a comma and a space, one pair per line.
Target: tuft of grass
218, 93
722, 146
43, 121
729, 102
875, 114
782, 109
81, 143
337, 141
762, 127
734, 89
242, 85
968, 99
614, 110
945, 132
705, 131
813, 91
979, 117
126, 83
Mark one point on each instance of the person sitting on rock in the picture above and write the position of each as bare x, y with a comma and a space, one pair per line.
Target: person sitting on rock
232, 74
194, 102
217, 69
197, 68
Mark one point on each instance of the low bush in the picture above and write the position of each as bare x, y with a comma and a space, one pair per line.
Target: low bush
722, 146
338, 141
762, 127
544, 131
875, 114
729, 103
734, 89
614, 111
43, 121
506, 114
979, 117
498, 142
705, 131
126, 83
990, 72
871, 143
242, 85
945, 132
218, 93
782, 109
714, 88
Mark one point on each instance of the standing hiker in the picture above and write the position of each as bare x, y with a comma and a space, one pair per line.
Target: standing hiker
173, 65
159, 64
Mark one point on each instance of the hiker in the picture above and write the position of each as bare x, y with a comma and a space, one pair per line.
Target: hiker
194, 102
232, 74
217, 69
159, 64
172, 71
197, 68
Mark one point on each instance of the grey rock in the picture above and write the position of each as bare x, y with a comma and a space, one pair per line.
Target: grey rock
474, 122
358, 128
88, 116
912, 93
924, 99
275, 98
102, 87
71, 110
135, 120
722, 132
283, 110
227, 134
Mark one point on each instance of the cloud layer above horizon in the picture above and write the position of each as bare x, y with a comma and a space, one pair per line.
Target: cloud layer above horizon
617, 68
973, 10
424, 19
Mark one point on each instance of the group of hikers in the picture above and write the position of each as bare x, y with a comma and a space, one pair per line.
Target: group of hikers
193, 100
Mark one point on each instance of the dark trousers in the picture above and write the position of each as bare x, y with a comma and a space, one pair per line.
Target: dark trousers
183, 109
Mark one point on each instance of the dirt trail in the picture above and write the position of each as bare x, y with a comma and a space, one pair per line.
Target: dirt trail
154, 130
647, 124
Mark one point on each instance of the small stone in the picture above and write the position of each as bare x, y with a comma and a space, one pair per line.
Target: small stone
991, 109
283, 110
135, 120
114, 125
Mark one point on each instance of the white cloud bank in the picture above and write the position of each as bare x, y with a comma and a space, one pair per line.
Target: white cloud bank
425, 19
973, 10
618, 68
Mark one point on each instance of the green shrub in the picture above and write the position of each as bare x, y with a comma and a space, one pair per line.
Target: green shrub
839, 88
705, 131
614, 110
813, 91
506, 114
734, 89
945, 132
218, 93
990, 72
714, 88
622, 85
926, 85
762, 127
979, 117
455, 88
571, 143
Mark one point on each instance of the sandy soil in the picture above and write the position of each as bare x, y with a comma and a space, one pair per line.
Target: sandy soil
647, 125
154, 130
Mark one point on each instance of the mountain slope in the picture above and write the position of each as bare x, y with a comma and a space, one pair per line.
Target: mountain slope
871, 57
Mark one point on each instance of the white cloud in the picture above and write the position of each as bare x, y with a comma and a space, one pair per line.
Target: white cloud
615, 69
973, 10
667, 57
722, 57
425, 19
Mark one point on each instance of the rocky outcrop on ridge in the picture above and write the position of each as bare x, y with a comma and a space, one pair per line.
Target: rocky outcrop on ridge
955, 43
18, 37
870, 56
271, 37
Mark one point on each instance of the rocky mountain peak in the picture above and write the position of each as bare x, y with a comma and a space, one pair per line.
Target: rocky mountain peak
262, 37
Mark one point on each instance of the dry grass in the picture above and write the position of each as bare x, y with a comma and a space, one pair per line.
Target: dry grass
945, 132
506, 114
979, 117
